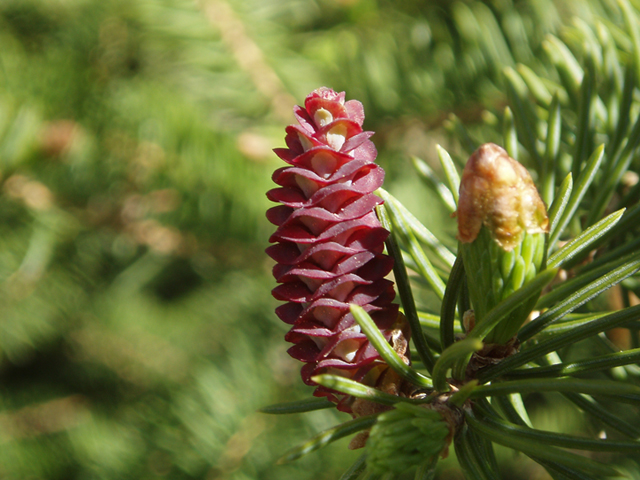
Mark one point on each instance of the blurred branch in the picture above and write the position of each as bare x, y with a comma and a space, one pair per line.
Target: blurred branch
43, 418
249, 56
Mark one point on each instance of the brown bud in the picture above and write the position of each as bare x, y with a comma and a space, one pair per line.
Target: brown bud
498, 192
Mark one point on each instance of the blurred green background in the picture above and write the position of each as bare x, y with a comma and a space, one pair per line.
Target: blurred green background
137, 333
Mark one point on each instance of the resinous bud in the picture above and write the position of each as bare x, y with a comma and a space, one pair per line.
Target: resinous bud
502, 222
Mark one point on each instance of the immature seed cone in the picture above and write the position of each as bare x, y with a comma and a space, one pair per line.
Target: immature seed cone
329, 243
406, 437
502, 222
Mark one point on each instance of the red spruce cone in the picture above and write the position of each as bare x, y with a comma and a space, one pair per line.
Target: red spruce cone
329, 243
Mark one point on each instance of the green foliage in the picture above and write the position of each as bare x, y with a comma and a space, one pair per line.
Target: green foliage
574, 116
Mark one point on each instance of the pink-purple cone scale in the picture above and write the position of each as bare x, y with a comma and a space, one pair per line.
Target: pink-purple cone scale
329, 242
